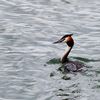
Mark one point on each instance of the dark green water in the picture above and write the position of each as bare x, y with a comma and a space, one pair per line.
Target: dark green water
29, 60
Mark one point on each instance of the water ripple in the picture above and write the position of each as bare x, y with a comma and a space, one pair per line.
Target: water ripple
28, 59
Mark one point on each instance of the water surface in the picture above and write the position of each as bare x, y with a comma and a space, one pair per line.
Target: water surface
29, 61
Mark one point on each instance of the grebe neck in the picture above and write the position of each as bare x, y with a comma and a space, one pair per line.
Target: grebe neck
64, 58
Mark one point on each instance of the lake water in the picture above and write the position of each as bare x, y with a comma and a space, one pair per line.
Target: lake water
28, 57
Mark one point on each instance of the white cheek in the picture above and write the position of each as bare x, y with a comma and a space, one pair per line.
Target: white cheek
66, 39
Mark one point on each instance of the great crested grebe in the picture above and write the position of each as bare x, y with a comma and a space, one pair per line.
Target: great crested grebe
69, 65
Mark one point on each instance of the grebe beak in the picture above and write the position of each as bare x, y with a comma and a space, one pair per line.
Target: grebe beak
59, 41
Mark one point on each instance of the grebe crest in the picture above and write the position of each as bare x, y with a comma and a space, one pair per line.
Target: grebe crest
69, 65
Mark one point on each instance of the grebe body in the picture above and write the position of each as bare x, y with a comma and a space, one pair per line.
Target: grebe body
69, 65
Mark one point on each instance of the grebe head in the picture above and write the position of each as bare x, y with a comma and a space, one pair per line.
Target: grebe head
67, 39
